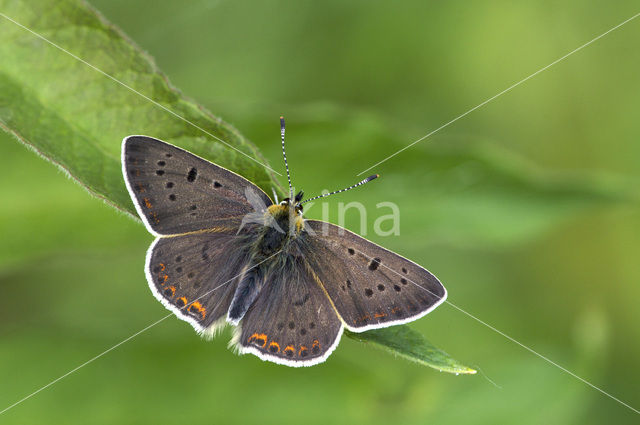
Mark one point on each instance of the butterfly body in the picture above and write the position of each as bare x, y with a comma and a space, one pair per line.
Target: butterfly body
225, 253
282, 225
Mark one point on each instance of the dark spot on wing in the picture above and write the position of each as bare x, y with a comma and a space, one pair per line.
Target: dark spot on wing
373, 265
179, 269
404, 270
397, 288
159, 172
216, 184
169, 185
162, 163
172, 197
191, 177
178, 258
381, 287
190, 275
312, 325
280, 326
348, 284
292, 325
205, 248
168, 155
193, 207
351, 251
368, 292
404, 281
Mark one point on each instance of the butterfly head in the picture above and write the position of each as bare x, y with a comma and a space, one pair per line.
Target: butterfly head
294, 204
288, 214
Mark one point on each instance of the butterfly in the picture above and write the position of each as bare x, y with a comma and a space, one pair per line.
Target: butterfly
225, 253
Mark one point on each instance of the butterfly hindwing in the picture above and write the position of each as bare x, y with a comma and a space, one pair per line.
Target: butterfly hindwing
292, 321
370, 286
178, 192
195, 275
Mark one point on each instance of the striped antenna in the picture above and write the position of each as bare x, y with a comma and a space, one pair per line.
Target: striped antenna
284, 154
367, 180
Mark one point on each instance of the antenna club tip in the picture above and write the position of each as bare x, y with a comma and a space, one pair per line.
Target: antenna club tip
281, 117
373, 177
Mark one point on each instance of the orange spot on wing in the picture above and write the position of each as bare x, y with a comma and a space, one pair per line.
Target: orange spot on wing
164, 279
141, 188
260, 339
379, 315
162, 267
171, 289
197, 307
147, 203
183, 300
289, 348
274, 344
302, 348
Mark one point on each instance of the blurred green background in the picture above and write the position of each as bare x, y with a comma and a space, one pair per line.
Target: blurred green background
526, 209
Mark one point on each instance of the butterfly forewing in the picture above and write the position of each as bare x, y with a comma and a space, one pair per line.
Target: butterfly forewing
178, 192
292, 321
370, 287
195, 275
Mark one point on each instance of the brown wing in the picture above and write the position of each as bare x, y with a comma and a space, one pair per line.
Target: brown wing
177, 192
292, 322
370, 286
195, 275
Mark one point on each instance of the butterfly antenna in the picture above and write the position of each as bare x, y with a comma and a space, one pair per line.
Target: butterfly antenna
284, 154
367, 180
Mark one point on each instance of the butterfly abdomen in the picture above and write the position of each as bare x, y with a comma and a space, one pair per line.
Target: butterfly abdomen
248, 289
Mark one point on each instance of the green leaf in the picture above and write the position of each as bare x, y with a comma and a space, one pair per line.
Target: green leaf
410, 344
75, 116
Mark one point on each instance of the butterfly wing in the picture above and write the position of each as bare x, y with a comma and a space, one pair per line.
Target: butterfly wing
370, 287
177, 192
195, 275
292, 322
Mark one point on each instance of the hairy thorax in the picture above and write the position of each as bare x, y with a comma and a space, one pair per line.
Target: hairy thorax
282, 224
